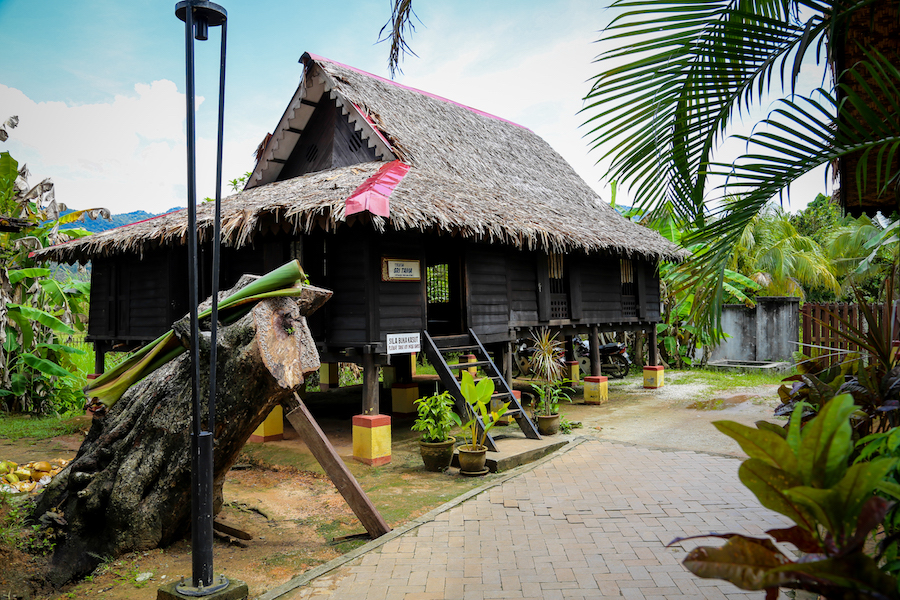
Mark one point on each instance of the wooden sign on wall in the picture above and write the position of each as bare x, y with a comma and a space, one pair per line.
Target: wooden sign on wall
394, 269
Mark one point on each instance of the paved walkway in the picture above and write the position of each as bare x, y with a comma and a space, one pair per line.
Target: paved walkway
592, 522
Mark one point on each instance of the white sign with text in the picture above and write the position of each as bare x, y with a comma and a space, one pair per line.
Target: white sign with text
403, 343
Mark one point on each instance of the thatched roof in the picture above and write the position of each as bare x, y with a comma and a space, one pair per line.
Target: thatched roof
471, 174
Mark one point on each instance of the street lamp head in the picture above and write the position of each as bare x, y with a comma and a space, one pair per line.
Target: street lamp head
204, 14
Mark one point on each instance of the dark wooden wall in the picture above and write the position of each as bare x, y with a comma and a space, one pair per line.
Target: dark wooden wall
486, 287
139, 299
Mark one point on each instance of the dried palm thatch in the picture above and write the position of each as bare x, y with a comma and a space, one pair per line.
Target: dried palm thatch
472, 175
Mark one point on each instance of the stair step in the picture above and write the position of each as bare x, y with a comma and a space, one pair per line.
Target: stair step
452, 349
447, 341
469, 365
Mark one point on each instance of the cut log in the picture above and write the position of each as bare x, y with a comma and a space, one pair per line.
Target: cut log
128, 489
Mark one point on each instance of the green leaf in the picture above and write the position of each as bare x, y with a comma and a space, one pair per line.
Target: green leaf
42, 317
24, 326
44, 366
762, 444
769, 485
17, 275
826, 443
776, 429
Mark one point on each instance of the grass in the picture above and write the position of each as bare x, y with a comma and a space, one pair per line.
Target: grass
40, 428
725, 379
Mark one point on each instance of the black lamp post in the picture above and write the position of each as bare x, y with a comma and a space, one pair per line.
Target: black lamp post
198, 17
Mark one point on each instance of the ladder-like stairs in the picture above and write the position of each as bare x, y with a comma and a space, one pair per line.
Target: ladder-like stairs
437, 349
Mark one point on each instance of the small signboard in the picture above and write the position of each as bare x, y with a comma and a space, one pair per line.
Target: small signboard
393, 269
403, 343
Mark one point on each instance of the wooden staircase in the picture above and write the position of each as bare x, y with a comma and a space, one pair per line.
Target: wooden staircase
437, 349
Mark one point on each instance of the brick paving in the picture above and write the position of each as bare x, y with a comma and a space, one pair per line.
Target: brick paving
592, 522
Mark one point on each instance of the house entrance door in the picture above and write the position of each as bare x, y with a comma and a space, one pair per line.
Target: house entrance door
444, 293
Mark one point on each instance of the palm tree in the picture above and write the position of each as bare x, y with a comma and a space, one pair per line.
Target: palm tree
682, 72
782, 262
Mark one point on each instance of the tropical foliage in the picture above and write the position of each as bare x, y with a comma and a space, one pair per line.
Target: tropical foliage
805, 473
38, 313
478, 398
682, 73
436, 417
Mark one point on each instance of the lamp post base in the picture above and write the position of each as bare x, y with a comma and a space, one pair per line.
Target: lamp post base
232, 590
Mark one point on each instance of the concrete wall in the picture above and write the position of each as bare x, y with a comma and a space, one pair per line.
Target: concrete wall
768, 332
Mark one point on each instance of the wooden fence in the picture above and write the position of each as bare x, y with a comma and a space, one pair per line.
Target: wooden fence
817, 338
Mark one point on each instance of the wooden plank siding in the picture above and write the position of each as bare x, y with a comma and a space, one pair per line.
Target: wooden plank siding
521, 270
650, 293
400, 305
601, 296
487, 292
347, 266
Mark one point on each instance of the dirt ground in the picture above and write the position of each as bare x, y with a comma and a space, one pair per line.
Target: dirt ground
279, 496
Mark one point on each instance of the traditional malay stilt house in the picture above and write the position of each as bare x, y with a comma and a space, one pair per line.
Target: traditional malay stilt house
421, 214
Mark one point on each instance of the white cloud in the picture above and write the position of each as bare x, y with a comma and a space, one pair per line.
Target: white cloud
125, 155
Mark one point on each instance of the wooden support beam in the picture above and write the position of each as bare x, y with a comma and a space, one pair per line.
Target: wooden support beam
306, 102
295, 130
595, 350
653, 350
314, 438
370, 383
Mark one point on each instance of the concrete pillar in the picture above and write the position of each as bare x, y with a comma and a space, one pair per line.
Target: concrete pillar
329, 376
372, 439
596, 389
272, 429
403, 398
653, 376
573, 371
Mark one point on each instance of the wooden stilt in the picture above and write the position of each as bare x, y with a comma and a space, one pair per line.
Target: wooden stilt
370, 384
595, 351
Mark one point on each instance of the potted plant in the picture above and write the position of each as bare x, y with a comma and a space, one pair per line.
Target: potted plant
473, 454
436, 420
546, 409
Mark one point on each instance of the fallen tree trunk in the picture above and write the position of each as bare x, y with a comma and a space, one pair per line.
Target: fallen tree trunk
128, 489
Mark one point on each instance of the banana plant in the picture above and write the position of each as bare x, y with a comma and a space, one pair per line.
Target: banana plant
805, 474
105, 391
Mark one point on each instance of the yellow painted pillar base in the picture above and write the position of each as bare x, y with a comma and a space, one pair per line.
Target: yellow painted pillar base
573, 371
468, 358
329, 376
653, 377
403, 398
372, 439
412, 363
388, 377
596, 389
272, 429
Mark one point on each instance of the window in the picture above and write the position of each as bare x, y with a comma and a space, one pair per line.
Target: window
629, 300
437, 284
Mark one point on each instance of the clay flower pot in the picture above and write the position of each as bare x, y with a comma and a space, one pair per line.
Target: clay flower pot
471, 462
548, 425
437, 455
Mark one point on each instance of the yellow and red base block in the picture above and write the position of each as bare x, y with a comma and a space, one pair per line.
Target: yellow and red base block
573, 371
653, 377
403, 398
372, 439
329, 376
272, 429
596, 389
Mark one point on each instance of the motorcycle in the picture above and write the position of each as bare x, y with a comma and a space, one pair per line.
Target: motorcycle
614, 359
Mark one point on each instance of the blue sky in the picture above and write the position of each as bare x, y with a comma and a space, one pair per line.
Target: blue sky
99, 84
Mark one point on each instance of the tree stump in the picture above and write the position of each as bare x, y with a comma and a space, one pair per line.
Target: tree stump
128, 489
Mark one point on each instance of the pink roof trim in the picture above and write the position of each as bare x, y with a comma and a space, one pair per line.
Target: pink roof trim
375, 192
412, 89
